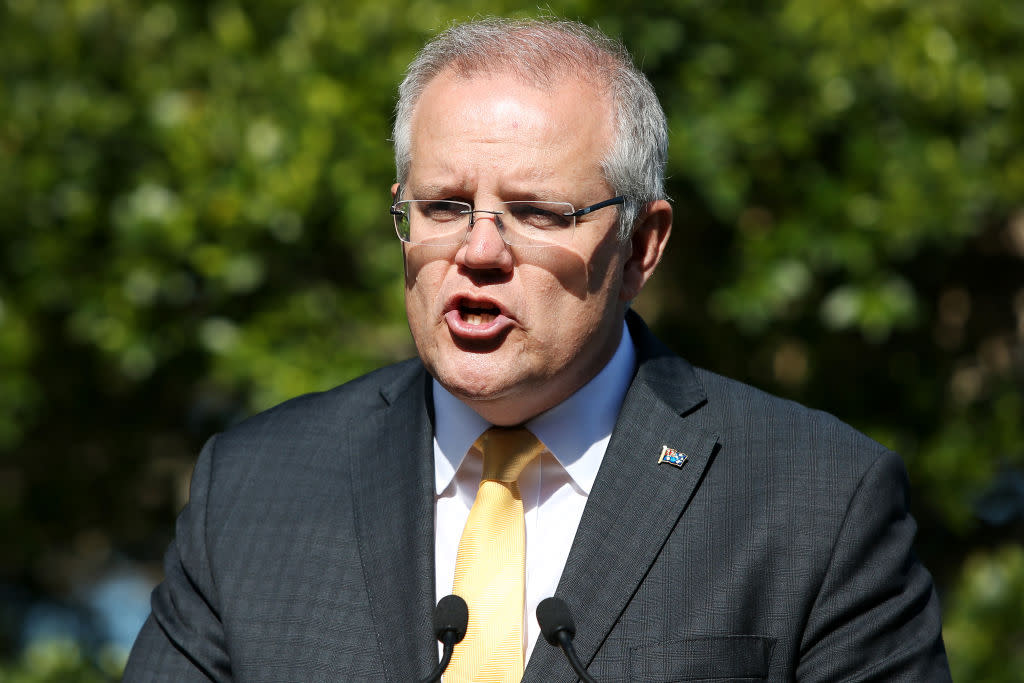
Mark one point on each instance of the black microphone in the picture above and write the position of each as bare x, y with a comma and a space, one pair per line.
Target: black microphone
558, 629
450, 619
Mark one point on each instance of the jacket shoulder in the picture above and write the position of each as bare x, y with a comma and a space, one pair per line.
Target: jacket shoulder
319, 412
748, 416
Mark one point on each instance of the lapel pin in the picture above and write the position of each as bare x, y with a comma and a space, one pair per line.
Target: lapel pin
672, 456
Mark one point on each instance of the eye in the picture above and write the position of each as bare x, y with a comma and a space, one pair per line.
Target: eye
441, 211
541, 215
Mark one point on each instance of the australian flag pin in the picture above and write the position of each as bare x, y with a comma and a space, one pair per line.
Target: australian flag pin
672, 456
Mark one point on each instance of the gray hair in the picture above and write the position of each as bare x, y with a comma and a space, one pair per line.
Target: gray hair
539, 51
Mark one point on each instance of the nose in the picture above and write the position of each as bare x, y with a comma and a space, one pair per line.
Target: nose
484, 248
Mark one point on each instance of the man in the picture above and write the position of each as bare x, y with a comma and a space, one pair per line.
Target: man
696, 527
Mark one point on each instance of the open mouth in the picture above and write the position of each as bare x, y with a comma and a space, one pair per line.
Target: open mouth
478, 315
478, 321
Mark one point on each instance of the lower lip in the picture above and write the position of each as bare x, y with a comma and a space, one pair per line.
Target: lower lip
485, 331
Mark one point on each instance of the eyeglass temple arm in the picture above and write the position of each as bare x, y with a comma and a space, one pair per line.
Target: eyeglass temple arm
594, 207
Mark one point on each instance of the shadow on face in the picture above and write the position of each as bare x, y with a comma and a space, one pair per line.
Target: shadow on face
578, 272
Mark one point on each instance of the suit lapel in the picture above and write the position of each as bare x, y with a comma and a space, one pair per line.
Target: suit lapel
393, 477
635, 501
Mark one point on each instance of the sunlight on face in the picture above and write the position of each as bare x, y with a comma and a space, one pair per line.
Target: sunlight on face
513, 330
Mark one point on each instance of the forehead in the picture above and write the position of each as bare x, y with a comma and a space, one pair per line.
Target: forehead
498, 124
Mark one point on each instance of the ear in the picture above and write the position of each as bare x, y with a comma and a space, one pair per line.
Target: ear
646, 247
394, 191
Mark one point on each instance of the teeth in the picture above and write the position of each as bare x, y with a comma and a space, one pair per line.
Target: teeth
477, 318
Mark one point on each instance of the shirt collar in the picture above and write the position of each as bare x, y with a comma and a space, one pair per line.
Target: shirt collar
576, 431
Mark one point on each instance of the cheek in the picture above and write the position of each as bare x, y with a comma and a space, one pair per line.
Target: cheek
562, 317
424, 268
561, 270
422, 299
423, 279
606, 269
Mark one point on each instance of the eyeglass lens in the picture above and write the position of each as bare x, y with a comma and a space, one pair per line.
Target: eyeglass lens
442, 222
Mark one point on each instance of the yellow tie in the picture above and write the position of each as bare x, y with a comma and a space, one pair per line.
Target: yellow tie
491, 564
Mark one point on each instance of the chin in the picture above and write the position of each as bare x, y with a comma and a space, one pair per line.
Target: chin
471, 373
473, 383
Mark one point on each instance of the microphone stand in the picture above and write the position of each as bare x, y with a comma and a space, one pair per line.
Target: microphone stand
565, 642
557, 626
451, 617
448, 640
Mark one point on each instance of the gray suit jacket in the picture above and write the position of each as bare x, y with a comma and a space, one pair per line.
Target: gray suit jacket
780, 550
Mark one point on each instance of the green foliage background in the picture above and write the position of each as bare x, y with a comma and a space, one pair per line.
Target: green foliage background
193, 227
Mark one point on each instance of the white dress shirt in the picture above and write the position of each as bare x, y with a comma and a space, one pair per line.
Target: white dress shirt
554, 487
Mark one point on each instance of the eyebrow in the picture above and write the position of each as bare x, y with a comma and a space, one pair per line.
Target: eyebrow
530, 184
521, 193
431, 190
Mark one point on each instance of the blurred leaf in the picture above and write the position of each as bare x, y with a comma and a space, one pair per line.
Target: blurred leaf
193, 227
983, 623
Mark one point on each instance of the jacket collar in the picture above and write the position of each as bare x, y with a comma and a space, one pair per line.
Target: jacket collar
636, 501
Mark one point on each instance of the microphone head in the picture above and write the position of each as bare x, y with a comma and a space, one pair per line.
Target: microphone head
554, 617
451, 614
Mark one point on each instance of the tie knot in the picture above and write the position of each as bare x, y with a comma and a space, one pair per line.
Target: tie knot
507, 451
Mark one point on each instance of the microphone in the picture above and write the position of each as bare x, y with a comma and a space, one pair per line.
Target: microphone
558, 629
450, 619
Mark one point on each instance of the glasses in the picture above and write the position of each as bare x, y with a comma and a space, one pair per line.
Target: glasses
441, 222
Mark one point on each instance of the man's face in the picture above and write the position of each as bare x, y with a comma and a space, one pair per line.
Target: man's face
513, 331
